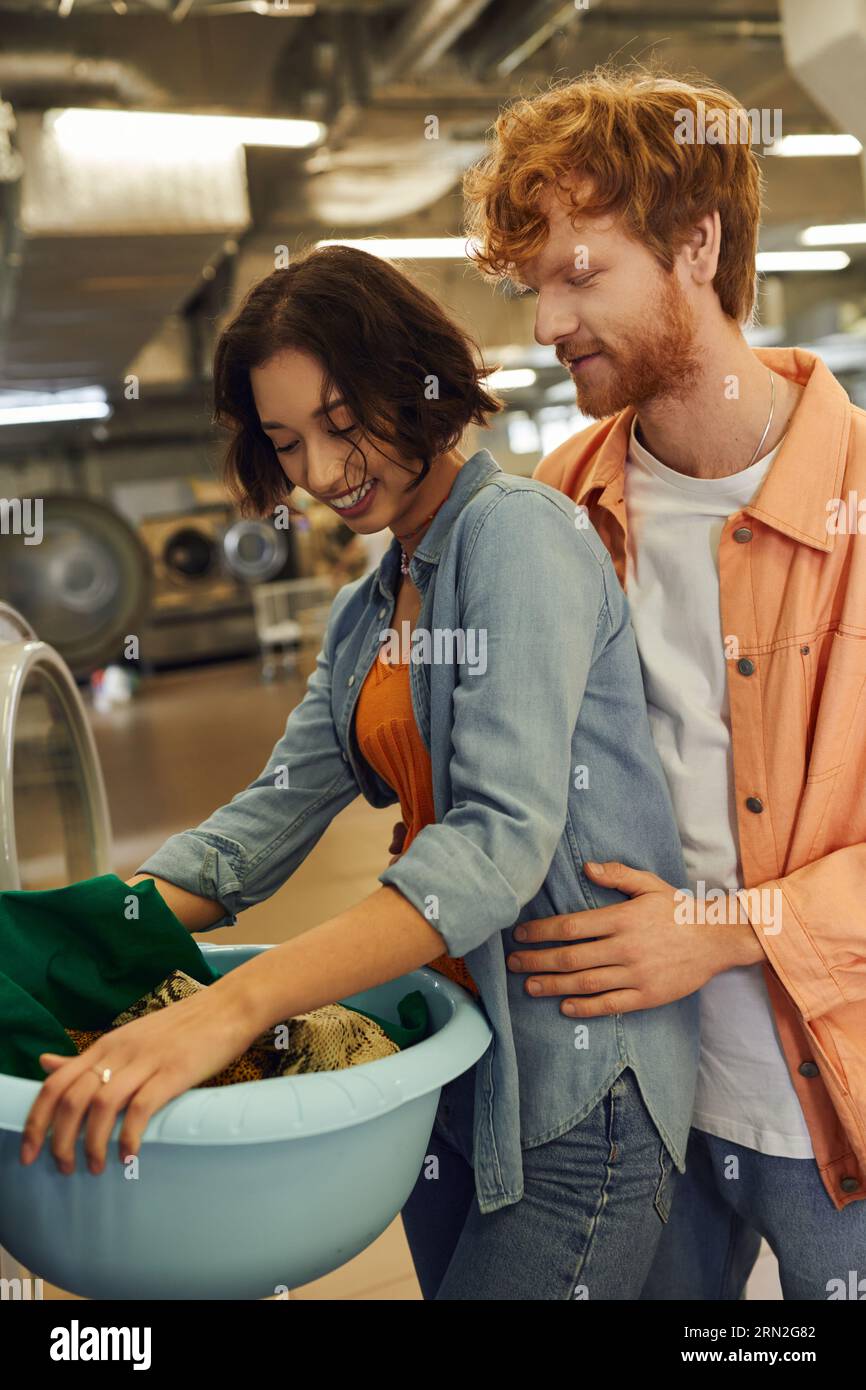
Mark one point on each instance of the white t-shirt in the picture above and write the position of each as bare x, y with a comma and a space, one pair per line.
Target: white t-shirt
675, 522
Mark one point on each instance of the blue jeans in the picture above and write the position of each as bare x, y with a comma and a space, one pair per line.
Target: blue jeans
594, 1206
711, 1242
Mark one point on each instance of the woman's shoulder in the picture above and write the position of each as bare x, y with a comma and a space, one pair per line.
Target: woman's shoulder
513, 509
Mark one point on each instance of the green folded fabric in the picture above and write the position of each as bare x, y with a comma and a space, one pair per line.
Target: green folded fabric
75, 957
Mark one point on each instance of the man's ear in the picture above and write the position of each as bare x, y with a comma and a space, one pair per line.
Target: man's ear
701, 249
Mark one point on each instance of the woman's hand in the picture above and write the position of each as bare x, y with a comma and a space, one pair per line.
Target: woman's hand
151, 1060
395, 848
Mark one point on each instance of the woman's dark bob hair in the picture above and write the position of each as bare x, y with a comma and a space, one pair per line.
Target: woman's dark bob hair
409, 375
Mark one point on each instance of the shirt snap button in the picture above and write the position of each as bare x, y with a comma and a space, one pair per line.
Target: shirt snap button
808, 1069
351, 680
849, 1184
755, 804
742, 534
745, 666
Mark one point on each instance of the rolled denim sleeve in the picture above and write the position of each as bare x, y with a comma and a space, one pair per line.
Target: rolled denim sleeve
247, 849
533, 582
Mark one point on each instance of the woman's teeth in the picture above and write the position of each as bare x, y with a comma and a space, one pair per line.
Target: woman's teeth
352, 498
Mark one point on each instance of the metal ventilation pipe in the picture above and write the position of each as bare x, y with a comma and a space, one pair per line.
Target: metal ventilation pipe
26, 76
825, 48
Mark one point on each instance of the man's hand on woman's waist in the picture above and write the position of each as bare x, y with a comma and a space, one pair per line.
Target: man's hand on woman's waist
629, 955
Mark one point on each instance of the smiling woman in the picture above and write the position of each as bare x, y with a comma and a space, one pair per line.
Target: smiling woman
341, 346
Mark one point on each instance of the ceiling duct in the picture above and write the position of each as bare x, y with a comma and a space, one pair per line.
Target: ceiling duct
825, 48
424, 35
26, 75
108, 249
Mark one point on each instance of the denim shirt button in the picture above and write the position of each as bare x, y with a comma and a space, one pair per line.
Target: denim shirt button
351, 680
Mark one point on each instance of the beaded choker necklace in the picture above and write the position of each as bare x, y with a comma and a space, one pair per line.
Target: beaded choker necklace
404, 558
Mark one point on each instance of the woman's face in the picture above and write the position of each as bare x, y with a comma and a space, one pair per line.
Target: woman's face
287, 393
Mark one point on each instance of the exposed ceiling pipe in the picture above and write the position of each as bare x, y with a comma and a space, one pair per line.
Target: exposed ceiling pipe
826, 51
180, 9
30, 74
520, 32
702, 26
825, 48
425, 33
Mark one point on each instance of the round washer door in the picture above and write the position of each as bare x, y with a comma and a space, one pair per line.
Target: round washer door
255, 551
54, 823
85, 586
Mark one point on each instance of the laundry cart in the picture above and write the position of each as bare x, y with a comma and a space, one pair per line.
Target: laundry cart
288, 614
246, 1191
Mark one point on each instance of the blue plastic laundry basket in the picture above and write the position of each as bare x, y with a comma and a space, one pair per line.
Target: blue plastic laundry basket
245, 1189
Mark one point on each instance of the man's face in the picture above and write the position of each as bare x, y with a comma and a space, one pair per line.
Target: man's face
623, 327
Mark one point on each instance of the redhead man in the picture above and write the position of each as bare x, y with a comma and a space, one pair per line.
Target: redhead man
721, 480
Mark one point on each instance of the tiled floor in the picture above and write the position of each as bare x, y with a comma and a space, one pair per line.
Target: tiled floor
183, 747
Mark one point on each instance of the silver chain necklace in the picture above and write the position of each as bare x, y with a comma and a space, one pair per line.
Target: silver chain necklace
757, 452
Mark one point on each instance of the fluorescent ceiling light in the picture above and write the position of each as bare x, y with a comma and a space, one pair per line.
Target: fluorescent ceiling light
40, 407
39, 414
813, 146
834, 234
119, 134
421, 248
510, 379
768, 261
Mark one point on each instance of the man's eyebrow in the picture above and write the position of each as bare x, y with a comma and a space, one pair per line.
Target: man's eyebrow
521, 285
568, 264
322, 410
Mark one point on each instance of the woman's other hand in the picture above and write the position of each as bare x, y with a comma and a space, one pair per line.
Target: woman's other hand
396, 846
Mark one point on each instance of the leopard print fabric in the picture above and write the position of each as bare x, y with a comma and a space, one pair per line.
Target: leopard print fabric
326, 1039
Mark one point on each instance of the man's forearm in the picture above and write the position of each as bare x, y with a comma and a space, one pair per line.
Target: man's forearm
381, 938
196, 913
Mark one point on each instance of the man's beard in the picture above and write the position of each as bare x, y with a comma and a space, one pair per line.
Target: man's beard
659, 359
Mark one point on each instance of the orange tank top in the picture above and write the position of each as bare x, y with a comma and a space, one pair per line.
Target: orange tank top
389, 740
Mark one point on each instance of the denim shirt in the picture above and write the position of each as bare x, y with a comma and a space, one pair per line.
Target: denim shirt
542, 758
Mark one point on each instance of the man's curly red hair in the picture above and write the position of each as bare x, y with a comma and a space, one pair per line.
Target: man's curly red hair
616, 129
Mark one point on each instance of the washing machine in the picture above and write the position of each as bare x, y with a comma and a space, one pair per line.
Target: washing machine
203, 562
85, 586
54, 821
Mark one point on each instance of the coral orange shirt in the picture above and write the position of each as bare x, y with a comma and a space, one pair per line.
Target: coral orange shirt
792, 575
389, 740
